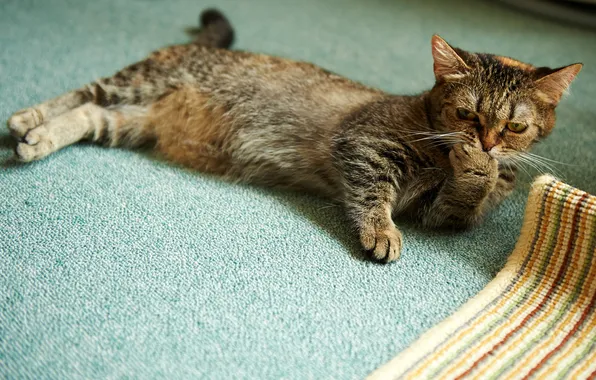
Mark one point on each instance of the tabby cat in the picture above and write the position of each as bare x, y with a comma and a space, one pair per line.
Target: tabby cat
444, 157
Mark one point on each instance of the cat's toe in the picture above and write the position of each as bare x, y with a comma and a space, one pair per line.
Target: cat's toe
384, 245
25, 152
35, 145
34, 136
23, 121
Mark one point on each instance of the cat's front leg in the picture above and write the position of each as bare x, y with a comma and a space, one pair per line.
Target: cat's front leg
370, 209
461, 200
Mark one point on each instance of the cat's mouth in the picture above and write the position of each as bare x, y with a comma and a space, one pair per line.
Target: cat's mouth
504, 157
495, 152
499, 156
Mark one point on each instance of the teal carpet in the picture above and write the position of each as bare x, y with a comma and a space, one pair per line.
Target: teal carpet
114, 264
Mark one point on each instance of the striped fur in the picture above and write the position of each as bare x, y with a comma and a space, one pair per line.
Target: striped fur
277, 122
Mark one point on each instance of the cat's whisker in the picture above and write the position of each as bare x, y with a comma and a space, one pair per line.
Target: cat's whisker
454, 140
429, 134
528, 162
444, 143
521, 166
548, 165
419, 129
437, 143
429, 131
328, 206
545, 165
526, 172
540, 164
426, 130
437, 136
413, 133
538, 157
537, 166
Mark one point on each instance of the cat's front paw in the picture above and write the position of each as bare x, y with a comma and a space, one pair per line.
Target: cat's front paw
382, 243
474, 169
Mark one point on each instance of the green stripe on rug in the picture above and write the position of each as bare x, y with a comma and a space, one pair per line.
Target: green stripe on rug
499, 318
536, 317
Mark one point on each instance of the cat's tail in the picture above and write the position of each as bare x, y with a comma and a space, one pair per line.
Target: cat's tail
215, 30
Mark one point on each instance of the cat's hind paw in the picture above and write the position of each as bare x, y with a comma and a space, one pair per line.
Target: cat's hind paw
23, 121
36, 144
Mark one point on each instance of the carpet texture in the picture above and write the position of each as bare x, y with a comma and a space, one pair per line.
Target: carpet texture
536, 319
114, 264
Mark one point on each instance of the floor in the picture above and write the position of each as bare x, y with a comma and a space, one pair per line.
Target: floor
113, 263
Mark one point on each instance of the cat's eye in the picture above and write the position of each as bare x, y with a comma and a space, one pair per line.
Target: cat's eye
464, 114
516, 127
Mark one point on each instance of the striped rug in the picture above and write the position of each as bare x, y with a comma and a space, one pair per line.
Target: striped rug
537, 318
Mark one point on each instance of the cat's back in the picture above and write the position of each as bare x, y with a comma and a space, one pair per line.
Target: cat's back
244, 76
276, 117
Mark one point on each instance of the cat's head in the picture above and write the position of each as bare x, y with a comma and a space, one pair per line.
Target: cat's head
496, 103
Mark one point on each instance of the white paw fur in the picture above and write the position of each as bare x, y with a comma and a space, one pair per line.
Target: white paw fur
23, 121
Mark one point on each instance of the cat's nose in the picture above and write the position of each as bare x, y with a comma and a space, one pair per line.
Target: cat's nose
488, 144
489, 139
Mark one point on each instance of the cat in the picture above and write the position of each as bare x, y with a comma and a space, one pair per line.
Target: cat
443, 158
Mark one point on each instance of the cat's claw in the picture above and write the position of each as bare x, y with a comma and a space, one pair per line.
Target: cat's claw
383, 244
23, 121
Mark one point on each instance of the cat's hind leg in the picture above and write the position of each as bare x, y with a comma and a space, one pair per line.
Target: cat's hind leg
137, 84
125, 125
26, 119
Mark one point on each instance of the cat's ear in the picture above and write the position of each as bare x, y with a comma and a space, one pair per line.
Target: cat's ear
448, 65
551, 87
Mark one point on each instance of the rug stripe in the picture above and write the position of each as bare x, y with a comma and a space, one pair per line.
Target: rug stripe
587, 369
538, 224
577, 286
515, 316
577, 326
539, 343
545, 322
503, 299
537, 318
591, 343
530, 316
576, 351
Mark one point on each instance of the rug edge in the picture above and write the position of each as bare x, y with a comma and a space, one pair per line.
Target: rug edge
440, 332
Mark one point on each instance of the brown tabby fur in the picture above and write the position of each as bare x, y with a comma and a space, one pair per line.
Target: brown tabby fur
267, 120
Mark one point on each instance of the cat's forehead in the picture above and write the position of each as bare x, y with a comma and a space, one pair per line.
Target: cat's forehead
496, 74
498, 102
498, 87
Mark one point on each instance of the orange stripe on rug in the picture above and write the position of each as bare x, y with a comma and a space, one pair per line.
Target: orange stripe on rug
487, 318
537, 317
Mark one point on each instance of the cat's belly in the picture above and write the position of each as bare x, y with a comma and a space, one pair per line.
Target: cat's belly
274, 148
